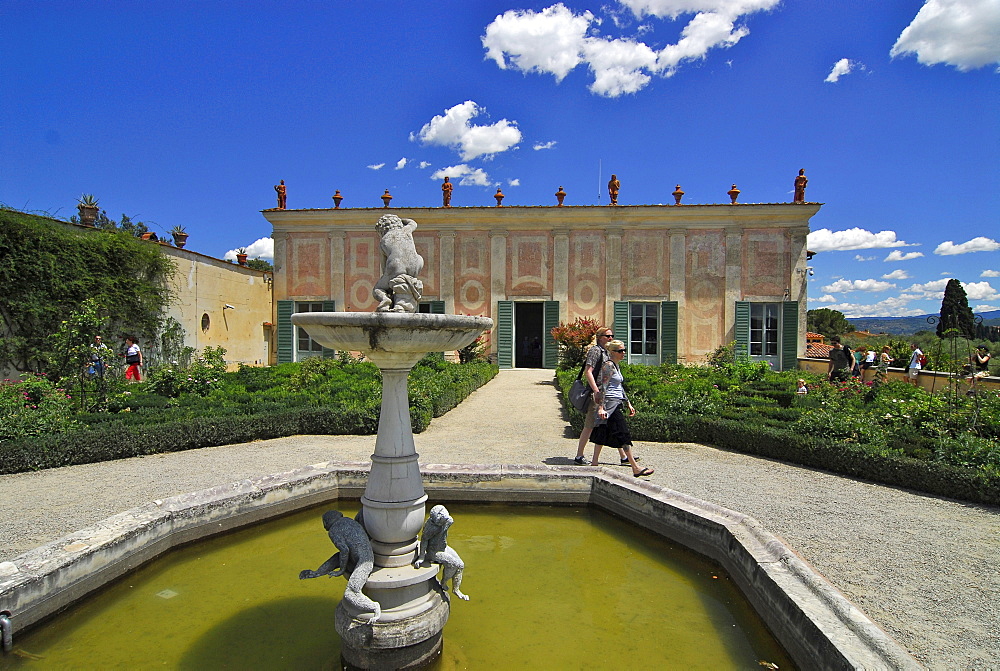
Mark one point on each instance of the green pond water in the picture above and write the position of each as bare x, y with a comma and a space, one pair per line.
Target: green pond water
550, 587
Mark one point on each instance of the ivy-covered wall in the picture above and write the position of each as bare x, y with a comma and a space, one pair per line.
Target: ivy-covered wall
48, 268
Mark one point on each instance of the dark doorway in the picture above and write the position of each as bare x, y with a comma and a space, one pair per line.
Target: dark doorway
528, 335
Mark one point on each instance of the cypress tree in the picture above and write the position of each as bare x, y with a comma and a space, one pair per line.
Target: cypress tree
955, 311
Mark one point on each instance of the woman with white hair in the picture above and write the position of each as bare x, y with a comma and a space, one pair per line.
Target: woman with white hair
610, 427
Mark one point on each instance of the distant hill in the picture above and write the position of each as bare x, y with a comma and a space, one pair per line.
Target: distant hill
910, 325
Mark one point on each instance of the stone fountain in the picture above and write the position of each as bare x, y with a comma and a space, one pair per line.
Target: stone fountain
394, 609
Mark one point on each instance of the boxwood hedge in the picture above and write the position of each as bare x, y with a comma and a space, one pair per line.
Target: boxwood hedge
731, 431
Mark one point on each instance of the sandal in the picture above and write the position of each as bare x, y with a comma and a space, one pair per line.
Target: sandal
645, 471
625, 461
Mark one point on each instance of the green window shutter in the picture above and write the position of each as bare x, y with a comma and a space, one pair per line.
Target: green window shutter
437, 307
550, 352
329, 306
505, 334
620, 325
286, 331
789, 335
742, 335
668, 332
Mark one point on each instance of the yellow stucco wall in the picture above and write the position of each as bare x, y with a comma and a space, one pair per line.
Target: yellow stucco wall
202, 286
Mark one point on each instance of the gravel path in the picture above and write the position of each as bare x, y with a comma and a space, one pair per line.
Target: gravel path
924, 568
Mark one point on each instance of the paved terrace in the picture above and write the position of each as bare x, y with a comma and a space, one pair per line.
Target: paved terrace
922, 567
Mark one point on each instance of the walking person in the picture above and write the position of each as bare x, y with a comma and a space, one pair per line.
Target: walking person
596, 356
133, 359
610, 427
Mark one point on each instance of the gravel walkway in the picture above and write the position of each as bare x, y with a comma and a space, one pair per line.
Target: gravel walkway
924, 568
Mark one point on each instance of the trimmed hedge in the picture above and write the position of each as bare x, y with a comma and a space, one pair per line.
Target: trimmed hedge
134, 435
748, 437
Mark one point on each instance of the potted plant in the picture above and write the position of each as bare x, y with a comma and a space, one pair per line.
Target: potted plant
87, 205
241, 256
180, 236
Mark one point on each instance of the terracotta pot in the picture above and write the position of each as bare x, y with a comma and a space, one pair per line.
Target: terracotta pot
241, 259
180, 239
88, 213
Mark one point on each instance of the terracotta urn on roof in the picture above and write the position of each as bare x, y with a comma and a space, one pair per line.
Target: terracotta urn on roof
386, 197
499, 196
677, 194
336, 199
734, 193
560, 196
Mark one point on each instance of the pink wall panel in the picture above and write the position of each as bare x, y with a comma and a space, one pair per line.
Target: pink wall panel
645, 264
765, 267
309, 264
587, 276
529, 263
472, 273
427, 247
362, 268
705, 288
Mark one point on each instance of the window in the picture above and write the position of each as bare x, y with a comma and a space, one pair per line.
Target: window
765, 323
305, 346
643, 333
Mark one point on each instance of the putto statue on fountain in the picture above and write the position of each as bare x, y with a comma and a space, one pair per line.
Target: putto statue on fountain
434, 549
355, 560
398, 290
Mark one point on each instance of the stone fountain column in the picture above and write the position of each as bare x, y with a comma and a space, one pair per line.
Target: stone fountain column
414, 608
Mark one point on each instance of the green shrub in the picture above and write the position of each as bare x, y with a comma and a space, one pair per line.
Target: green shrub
33, 406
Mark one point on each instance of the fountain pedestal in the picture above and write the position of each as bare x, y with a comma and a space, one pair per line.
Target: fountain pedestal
414, 608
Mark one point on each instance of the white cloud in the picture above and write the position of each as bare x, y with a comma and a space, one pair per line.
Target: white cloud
858, 257
376, 166
980, 291
894, 306
979, 244
962, 33
843, 286
899, 274
896, 255
933, 289
986, 308
556, 40
990, 273
423, 164
544, 145
401, 163
824, 299
514, 182
825, 240
259, 249
454, 130
467, 175
549, 41
843, 67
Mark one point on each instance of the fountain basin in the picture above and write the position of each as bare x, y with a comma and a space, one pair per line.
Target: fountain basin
818, 627
392, 339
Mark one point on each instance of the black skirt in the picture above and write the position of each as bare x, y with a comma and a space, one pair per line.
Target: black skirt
614, 432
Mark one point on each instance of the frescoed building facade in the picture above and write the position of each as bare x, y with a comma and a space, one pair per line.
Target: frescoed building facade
675, 282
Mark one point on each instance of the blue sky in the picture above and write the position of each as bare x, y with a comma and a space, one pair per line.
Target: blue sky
188, 113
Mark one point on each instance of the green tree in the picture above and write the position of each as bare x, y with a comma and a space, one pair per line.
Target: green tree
48, 270
106, 223
260, 264
955, 312
828, 322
